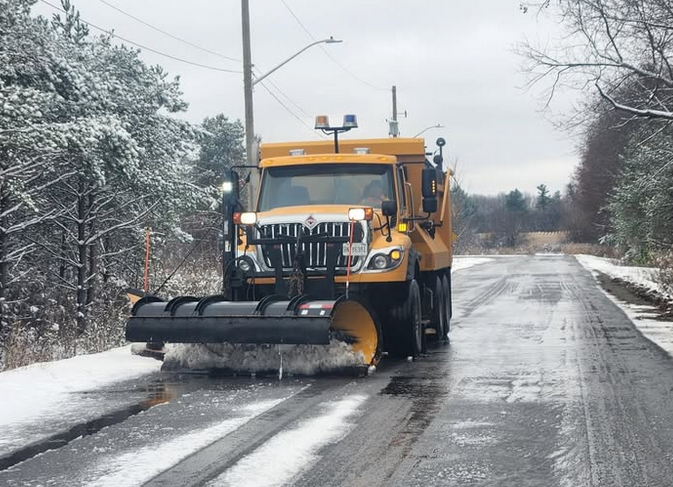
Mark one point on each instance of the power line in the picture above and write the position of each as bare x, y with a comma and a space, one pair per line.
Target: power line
288, 109
111, 33
329, 55
277, 88
169, 34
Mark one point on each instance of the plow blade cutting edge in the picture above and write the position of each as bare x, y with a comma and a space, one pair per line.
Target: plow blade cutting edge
272, 320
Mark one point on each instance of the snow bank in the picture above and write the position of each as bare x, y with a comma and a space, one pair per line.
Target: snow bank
38, 393
294, 359
642, 276
464, 262
289, 453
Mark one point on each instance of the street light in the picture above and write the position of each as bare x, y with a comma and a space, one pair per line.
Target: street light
249, 82
331, 40
438, 126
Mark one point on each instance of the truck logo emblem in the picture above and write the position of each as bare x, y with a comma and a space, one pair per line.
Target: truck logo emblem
310, 222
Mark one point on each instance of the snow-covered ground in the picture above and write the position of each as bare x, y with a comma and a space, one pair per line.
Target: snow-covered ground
643, 316
50, 394
461, 262
643, 276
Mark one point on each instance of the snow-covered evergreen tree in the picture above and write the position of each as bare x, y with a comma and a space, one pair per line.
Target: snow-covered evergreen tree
91, 153
641, 204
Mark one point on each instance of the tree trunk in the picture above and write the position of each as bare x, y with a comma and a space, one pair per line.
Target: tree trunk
105, 263
93, 258
81, 257
4, 277
62, 266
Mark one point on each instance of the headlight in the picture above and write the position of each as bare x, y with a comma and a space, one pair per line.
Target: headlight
245, 265
386, 259
245, 218
360, 214
380, 262
227, 187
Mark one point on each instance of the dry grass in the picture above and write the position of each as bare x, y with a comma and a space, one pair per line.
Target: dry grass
24, 346
542, 239
539, 242
591, 249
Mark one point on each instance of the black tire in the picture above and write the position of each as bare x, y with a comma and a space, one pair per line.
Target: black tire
439, 309
409, 336
446, 285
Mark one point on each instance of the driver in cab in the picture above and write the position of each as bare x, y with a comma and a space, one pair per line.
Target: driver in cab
373, 195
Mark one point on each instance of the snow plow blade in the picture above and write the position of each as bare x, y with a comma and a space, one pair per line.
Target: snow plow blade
273, 320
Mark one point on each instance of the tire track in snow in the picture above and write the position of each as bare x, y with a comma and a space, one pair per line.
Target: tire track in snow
290, 452
138, 466
213, 461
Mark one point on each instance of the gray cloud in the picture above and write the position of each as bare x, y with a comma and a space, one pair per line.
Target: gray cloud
451, 60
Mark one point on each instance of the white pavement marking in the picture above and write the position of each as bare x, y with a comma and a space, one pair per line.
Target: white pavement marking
288, 453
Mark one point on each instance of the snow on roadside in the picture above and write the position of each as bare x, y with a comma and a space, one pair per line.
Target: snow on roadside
642, 276
461, 262
643, 316
289, 453
139, 466
43, 392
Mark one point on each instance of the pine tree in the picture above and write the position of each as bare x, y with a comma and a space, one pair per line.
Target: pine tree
543, 199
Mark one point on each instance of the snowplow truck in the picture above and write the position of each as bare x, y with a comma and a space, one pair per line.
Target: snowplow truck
348, 241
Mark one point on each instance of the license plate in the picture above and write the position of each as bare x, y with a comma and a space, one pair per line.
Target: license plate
357, 249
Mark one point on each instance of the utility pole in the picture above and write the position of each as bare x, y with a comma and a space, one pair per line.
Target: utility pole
247, 88
394, 129
247, 84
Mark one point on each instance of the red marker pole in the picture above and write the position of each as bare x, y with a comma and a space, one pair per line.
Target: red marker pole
350, 255
146, 282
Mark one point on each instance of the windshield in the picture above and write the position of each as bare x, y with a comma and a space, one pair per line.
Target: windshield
326, 184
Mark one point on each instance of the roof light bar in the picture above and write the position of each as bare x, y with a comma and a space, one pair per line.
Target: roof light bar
350, 121
322, 122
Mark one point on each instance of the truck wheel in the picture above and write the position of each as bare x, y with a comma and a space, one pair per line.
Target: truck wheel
408, 324
439, 309
446, 285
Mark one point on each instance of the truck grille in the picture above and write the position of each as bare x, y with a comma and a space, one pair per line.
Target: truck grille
316, 253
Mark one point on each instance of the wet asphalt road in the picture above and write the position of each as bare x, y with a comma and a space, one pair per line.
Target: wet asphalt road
545, 383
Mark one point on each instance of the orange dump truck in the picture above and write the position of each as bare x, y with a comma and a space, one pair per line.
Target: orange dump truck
349, 240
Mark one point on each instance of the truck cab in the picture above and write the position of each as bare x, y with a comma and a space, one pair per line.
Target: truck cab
329, 224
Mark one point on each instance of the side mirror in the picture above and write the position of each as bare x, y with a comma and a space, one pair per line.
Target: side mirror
389, 208
429, 183
429, 190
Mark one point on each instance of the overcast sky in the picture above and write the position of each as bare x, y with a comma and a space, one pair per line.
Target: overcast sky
451, 60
